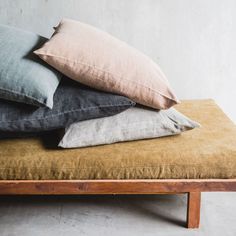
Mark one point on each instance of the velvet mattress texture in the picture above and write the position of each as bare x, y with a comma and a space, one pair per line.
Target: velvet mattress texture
205, 153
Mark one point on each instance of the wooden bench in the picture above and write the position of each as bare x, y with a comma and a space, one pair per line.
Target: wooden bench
201, 160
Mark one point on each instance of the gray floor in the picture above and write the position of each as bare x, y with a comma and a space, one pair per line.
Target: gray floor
115, 215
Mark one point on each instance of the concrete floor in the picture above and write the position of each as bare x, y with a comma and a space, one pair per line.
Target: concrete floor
115, 215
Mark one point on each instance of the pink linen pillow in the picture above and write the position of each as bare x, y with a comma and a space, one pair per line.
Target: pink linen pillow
99, 60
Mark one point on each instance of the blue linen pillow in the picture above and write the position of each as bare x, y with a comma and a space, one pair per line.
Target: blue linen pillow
73, 102
23, 76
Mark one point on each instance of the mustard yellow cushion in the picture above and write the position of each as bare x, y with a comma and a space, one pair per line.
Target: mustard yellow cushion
207, 152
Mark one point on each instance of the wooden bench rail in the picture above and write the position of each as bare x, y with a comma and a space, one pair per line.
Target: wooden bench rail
192, 187
61, 187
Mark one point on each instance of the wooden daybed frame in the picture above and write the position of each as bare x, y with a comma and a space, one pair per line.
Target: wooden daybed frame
191, 187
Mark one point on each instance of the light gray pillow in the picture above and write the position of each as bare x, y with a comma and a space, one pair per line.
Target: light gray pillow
23, 76
132, 124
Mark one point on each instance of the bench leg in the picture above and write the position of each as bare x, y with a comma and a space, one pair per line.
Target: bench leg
193, 211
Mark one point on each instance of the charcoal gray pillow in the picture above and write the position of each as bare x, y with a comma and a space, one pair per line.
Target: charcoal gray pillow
72, 102
133, 124
23, 76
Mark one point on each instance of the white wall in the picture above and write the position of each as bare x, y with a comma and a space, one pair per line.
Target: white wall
194, 41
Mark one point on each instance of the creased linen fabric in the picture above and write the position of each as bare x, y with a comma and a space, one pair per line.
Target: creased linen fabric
133, 124
205, 153
23, 76
99, 60
72, 102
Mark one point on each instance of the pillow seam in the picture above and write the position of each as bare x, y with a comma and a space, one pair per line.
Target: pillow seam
62, 113
26, 95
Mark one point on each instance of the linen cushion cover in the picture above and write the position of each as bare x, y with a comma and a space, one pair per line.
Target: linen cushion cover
23, 76
72, 102
99, 60
132, 124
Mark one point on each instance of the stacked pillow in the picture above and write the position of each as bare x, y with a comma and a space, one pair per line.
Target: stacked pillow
101, 61
73, 102
100, 75
23, 77
133, 124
